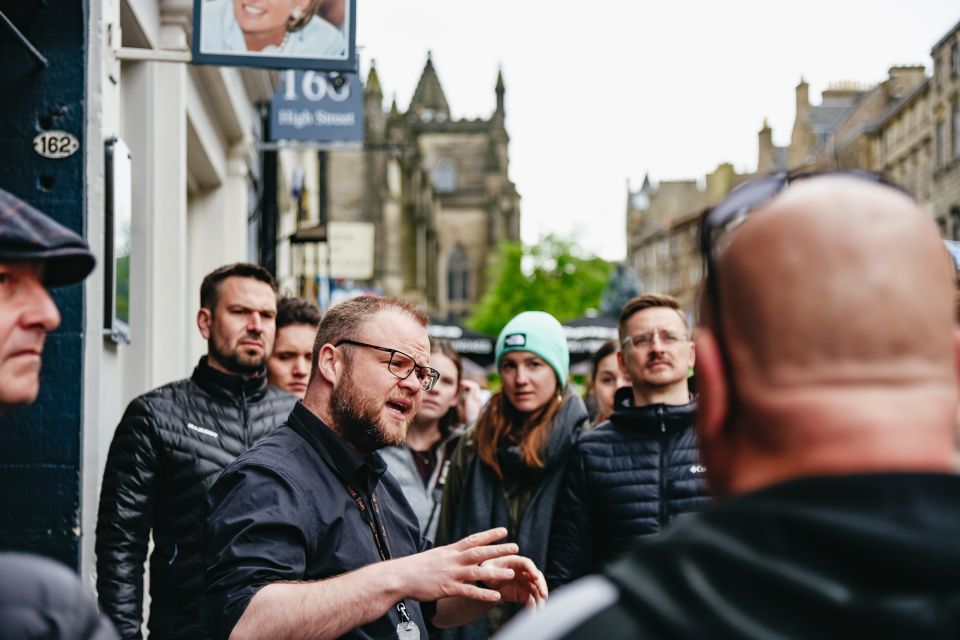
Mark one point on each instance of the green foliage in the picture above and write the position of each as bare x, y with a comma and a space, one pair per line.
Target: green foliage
554, 275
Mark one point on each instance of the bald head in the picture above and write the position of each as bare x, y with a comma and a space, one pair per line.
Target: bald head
837, 303
837, 280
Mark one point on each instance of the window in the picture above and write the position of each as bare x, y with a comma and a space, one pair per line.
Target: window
458, 276
955, 60
445, 176
955, 129
939, 142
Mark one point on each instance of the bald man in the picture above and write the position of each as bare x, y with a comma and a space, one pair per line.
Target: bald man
827, 367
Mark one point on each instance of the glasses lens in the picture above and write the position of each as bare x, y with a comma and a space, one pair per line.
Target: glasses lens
428, 377
401, 365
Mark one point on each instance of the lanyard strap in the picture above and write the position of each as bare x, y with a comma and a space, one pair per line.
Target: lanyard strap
371, 515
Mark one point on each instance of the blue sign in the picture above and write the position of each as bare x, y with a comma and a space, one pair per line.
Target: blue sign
313, 106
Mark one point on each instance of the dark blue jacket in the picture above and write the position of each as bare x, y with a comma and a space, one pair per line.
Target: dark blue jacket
625, 480
282, 512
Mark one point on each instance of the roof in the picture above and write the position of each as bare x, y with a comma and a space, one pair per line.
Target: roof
429, 94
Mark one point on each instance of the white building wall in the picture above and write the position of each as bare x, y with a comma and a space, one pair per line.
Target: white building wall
192, 136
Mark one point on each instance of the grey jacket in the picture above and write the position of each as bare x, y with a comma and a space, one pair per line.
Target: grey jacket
425, 500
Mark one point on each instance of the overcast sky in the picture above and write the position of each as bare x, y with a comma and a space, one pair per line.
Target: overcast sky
601, 92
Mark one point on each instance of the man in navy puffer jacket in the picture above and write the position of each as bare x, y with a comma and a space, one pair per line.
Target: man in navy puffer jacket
632, 475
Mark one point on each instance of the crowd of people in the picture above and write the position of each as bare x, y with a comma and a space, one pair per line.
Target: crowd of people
337, 475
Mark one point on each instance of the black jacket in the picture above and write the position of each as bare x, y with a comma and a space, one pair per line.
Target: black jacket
625, 480
860, 556
168, 449
40, 598
282, 512
523, 501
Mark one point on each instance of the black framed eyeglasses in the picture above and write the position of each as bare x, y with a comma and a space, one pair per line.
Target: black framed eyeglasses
401, 364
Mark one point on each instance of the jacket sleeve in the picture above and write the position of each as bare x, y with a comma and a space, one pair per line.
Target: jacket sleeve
571, 550
125, 518
453, 492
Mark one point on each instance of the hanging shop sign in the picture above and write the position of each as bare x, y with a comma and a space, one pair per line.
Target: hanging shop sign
275, 35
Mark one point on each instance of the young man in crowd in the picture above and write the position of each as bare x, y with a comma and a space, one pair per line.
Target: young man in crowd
631, 476
827, 368
169, 448
289, 365
39, 598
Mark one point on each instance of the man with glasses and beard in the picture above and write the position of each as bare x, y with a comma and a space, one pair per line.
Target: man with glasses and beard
827, 373
631, 476
309, 537
169, 448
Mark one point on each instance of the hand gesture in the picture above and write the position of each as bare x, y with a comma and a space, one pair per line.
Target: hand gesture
454, 569
528, 586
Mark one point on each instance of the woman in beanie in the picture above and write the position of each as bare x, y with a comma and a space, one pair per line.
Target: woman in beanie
506, 471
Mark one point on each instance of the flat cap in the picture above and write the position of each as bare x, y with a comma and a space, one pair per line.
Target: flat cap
27, 235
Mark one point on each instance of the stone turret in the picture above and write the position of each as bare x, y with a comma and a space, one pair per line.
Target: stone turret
765, 152
374, 117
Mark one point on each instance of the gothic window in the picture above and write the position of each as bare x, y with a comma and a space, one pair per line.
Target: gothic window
955, 128
445, 176
939, 141
458, 276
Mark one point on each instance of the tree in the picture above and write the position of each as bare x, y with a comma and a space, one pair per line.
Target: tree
621, 287
554, 275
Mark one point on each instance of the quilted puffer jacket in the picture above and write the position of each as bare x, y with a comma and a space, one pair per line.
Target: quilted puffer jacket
168, 449
626, 479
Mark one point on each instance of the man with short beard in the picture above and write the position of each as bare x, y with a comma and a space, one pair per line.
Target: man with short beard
168, 449
309, 537
629, 477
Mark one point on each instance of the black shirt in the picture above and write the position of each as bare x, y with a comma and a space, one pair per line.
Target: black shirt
282, 512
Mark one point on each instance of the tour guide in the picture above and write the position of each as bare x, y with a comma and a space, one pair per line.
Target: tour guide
307, 533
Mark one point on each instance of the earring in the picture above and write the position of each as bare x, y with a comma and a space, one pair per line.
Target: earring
296, 14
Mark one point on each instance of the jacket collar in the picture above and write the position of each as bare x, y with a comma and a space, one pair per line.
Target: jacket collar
627, 414
227, 386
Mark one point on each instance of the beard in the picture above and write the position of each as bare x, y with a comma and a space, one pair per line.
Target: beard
237, 360
359, 418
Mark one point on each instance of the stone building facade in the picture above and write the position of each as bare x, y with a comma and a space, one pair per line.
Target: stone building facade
436, 189
662, 244
907, 127
945, 122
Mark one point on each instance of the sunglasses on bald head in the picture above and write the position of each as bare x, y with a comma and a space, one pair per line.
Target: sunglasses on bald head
719, 221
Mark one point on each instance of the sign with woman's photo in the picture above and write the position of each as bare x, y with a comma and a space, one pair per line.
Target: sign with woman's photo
319, 35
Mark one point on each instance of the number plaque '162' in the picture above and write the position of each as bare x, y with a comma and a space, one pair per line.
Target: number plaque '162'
56, 144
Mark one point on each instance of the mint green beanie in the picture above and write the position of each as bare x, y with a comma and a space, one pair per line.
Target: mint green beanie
540, 333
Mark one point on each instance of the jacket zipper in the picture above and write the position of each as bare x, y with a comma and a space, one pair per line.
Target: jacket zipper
243, 419
663, 470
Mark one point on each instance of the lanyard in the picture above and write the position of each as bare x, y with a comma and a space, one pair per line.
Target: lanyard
372, 516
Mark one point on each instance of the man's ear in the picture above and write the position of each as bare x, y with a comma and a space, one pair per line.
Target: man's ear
330, 363
712, 390
956, 348
204, 321
622, 364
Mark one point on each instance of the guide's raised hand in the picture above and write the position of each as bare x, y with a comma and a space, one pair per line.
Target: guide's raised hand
455, 570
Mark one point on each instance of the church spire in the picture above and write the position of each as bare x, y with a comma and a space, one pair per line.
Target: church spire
428, 99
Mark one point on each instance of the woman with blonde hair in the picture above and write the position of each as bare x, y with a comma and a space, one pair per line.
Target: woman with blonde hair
506, 471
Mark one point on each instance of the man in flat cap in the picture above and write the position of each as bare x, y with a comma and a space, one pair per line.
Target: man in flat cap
39, 598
